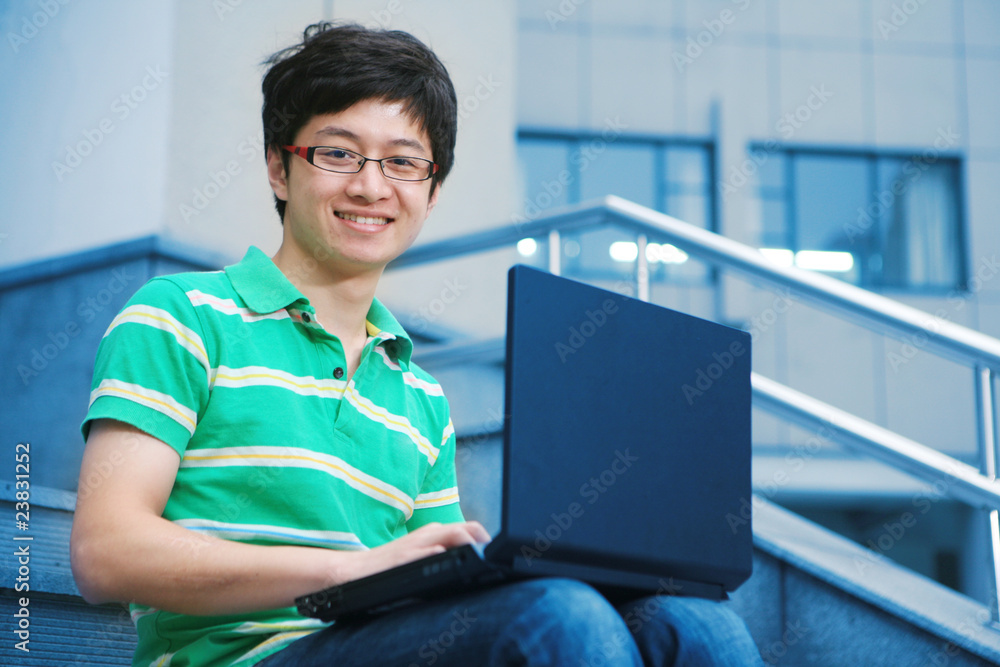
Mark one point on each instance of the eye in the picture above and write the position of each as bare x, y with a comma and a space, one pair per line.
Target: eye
404, 162
336, 153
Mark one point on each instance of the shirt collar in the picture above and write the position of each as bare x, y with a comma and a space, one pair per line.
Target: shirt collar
261, 284
265, 289
382, 324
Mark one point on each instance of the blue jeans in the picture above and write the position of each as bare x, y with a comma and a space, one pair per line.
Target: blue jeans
533, 622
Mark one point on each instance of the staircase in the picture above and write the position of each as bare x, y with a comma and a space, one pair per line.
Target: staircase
815, 598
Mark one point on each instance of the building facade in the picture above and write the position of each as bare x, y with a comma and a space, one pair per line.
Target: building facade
858, 138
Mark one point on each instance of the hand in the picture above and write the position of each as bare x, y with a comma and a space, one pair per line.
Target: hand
434, 538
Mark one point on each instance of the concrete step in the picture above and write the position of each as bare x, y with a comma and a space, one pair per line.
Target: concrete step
815, 598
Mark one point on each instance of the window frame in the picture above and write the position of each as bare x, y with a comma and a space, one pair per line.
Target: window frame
577, 139
659, 142
872, 158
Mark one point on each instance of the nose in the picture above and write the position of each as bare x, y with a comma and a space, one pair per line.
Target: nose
369, 183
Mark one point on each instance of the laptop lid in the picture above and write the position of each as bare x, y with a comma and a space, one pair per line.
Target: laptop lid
626, 436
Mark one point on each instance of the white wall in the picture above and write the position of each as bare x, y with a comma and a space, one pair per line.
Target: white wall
115, 115
889, 79
85, 98
180, 154
187, 162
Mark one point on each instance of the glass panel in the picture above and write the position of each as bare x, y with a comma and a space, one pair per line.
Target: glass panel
770, 175
688, 165
669, 264
770, 168
546, 179
601, 253
689, 208
561, 171
774, 231
533, 252
921, 240
829, 192
628, 171
687, 186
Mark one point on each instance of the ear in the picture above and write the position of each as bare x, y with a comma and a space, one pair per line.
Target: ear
432, 200
276, 174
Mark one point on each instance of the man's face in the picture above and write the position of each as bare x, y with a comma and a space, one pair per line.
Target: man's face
354, 222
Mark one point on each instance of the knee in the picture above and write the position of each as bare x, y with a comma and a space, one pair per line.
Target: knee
692, 628
705, 614
578, 623
577, 607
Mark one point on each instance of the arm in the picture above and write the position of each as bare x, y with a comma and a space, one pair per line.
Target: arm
123, 550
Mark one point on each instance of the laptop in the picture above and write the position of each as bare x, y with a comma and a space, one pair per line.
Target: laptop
626, 457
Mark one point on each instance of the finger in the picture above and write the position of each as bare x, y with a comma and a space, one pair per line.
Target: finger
466, 533
448, 535
479, 534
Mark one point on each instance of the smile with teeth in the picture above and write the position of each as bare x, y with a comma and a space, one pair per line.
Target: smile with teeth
362, 220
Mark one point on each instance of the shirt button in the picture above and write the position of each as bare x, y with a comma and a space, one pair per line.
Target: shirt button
306, 318
338, 372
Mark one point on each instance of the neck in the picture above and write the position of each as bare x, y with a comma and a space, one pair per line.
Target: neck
341, 298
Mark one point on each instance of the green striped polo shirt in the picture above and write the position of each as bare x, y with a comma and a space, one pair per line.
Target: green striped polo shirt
277, 446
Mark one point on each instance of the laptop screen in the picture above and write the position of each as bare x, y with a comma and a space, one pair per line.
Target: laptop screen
627, 433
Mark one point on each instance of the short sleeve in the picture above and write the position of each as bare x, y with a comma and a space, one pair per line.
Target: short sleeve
152, 368
438, 498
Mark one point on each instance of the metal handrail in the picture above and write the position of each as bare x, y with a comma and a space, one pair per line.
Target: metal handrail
872, 310
962, 481
932, 332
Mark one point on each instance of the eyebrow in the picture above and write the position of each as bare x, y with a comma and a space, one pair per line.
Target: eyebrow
343, 133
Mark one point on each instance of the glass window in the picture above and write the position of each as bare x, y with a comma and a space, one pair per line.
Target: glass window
919, 241
873, 220
687, 166
774, 209
689, 208
774, 233
688, 187
669, 176
828, 192
626, 170
545, 177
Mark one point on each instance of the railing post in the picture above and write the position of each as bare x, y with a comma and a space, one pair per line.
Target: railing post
989, 453
641, 269
555, 252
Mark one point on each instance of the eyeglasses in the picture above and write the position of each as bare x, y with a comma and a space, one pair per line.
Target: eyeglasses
343, 161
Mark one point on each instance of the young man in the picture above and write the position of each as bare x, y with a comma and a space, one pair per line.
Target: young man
262, 432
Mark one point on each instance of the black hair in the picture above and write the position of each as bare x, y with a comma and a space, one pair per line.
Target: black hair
338, 65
